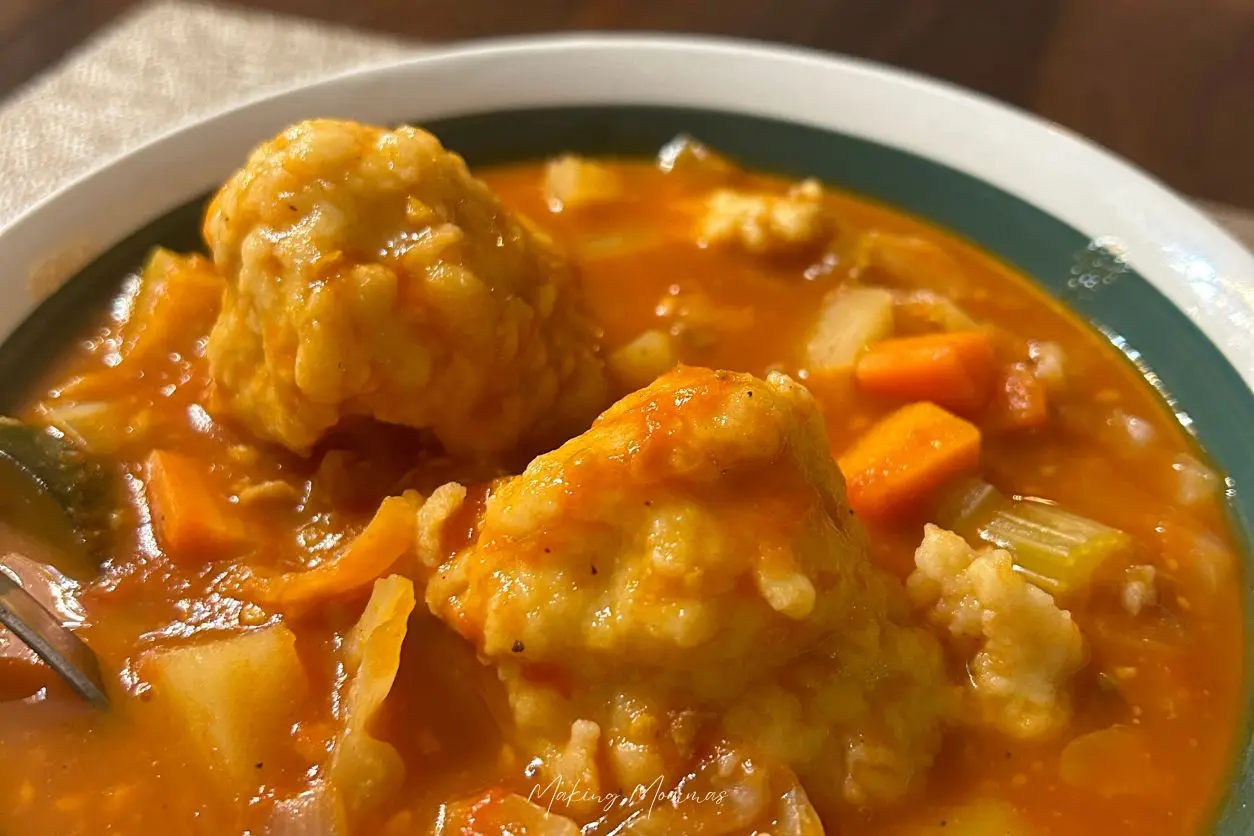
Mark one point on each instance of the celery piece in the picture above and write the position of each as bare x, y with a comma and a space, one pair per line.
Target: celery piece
968, 505
1054, 548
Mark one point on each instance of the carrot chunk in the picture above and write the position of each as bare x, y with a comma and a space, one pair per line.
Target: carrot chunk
189, 514
907, 455
389, 535
954, 370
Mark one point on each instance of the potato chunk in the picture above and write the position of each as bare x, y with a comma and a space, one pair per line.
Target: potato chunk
369, 274
233, 699
644, 359
849, 320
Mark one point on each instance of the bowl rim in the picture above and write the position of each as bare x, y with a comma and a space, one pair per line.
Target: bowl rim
1205, 272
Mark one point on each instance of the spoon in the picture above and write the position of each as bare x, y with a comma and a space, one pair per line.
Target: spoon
51, 641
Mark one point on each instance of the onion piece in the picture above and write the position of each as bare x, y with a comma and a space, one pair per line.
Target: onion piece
314, 812
929, 307
1195, 482
687, 155
909, 261
1048, 364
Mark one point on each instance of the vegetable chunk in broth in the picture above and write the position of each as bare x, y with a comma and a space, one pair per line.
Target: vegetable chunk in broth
870, 537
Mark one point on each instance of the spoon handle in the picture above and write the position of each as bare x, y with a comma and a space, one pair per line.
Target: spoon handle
52, 641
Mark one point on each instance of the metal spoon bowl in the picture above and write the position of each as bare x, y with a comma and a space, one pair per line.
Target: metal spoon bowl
53, 642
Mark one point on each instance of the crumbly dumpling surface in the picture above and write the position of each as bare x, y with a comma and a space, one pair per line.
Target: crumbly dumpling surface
576, 183
690, 566
1028, 646
766, 224
369, 274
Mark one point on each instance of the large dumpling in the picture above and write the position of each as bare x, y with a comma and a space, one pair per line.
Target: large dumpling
369, 274
689, 569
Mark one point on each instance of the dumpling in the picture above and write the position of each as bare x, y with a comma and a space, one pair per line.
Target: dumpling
1028, 646
691, 565
765, 224
369, 274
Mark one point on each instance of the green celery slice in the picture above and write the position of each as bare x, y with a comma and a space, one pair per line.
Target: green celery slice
1054, 548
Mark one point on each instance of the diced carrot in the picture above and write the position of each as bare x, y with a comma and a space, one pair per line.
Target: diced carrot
390, 534
954, 370
189, 515
907, 455
1020, 401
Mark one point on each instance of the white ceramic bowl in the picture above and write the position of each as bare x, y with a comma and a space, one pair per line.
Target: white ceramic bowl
1123, 250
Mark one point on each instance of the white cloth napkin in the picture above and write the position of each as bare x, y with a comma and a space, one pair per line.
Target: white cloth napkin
164, 64
170, 61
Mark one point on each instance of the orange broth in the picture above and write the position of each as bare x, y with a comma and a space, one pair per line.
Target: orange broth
1174, 672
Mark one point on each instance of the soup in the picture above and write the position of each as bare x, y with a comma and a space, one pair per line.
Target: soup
869, 537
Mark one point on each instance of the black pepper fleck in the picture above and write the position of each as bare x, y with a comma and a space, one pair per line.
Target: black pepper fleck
749, 394
519, 647
547, 550
259, 764
594, 570
292, 206
648, 502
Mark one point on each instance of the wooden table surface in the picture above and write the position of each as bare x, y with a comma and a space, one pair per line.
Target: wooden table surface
1167, 83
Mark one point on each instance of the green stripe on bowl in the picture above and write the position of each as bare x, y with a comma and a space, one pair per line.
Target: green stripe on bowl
1191, 373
